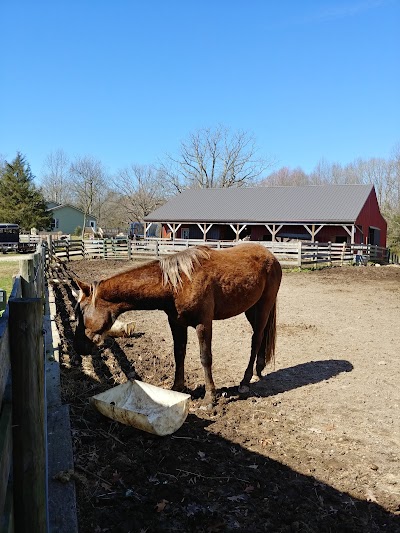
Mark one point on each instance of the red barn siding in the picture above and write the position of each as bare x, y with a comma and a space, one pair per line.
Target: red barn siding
370, 216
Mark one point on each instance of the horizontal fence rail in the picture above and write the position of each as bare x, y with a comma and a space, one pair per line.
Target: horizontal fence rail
290, 254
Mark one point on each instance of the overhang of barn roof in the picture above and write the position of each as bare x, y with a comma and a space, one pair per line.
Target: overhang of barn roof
304, 204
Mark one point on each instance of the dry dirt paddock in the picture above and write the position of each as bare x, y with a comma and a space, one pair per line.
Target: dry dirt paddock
314, 447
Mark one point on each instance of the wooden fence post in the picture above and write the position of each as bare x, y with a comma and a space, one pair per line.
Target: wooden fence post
27, 272
343, 253
27, 366
50, 247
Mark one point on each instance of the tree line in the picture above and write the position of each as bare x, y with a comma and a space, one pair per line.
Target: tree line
209, 157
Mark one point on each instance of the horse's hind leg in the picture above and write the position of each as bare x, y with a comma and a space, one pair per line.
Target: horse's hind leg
253, 317
258, 316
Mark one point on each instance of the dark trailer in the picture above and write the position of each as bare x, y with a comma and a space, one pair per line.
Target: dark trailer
9, 237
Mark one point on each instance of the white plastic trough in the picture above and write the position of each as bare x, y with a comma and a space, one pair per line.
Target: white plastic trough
144, 407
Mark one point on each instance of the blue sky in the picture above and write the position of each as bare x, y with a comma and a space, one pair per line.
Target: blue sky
127, 81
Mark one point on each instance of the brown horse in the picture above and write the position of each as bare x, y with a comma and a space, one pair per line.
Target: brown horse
193, 287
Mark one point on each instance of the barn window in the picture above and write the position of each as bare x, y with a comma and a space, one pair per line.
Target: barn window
55, 223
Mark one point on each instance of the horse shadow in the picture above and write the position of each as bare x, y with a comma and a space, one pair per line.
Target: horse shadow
286, 379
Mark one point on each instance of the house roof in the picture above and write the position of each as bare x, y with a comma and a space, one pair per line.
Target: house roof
304, 204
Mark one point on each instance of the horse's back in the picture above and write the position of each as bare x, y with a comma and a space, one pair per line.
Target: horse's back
231, 280
244, 254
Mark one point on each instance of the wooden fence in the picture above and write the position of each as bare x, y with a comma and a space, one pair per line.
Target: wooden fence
290, 254
22, 435
28, 430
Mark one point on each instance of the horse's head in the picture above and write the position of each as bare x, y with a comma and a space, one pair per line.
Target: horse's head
94, 318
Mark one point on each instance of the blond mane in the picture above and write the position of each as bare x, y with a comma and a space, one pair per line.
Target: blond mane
183, 262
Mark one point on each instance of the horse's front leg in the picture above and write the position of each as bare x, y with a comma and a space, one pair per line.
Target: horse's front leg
179, 335
204, 334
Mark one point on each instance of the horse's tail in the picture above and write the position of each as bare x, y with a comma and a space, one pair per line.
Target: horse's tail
270, 332
269, 340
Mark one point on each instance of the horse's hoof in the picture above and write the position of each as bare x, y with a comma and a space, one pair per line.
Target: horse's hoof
243, 389
206, 407
210, 400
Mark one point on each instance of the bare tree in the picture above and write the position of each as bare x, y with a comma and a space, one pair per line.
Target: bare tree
141, 189
89, 186
215, 158
379, 172
55, 178
286, 176
113, 212
395, 159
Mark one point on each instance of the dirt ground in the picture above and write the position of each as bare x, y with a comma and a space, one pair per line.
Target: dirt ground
314, 447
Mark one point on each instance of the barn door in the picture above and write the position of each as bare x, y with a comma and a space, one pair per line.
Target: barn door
373, 235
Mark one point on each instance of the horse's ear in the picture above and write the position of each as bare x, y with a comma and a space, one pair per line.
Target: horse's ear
85, 288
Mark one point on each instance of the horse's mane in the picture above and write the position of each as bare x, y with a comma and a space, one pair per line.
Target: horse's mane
185, 261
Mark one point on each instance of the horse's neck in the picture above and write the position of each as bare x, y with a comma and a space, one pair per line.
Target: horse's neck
139, 288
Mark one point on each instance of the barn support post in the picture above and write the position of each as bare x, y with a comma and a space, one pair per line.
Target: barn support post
237, 230
273, 231
203, 228
29, 443
174, 228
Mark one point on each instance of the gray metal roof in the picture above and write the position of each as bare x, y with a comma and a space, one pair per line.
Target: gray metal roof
304, 204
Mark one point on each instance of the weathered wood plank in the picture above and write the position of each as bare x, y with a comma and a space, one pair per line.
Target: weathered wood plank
29, 457
7, 524
4, 355
62, 499
5, 452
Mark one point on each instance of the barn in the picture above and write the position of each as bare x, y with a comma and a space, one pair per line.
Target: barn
324, 213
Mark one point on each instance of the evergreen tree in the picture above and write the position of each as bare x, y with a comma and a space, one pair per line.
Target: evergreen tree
20, 200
